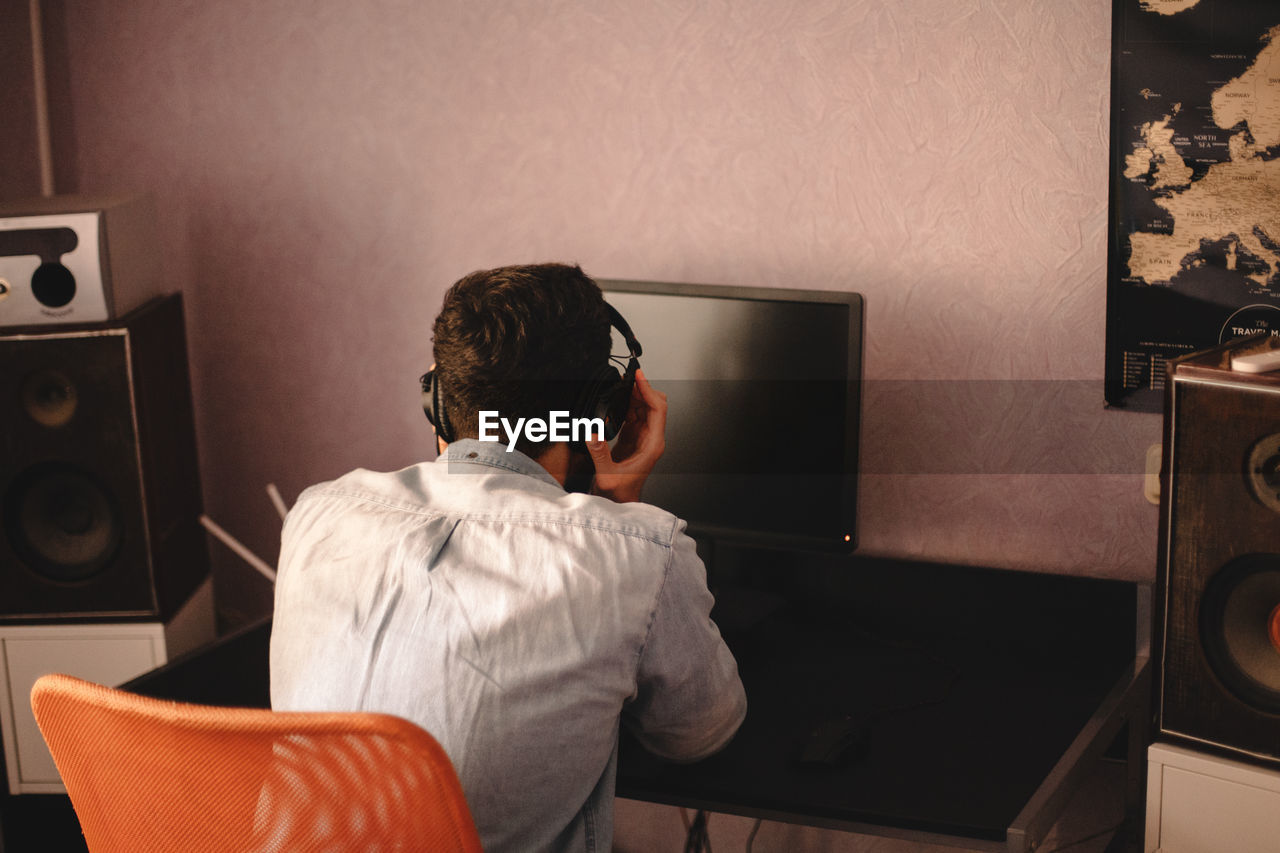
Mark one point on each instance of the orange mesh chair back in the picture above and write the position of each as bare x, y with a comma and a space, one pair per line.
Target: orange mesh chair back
153, 775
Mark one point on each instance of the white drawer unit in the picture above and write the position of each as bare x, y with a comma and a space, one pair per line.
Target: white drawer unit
1200, 803
106, 653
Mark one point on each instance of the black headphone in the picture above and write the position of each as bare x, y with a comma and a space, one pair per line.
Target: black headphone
606, 394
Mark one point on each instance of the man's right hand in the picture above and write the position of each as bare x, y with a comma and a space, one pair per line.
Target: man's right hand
621, 473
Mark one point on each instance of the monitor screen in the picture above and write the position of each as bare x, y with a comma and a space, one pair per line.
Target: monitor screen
763, 393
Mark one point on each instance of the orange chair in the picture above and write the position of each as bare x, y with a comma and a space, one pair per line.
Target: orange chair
153, 775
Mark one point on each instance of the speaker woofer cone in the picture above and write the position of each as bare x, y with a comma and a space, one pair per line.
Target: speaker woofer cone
63, 524
1239, 630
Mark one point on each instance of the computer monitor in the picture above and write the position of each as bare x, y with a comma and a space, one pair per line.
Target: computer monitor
763, 388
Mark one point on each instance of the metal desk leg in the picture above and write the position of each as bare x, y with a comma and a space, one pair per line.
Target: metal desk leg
1125, 704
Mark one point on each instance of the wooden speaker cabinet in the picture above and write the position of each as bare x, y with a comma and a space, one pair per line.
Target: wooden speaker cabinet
99, 484
1217, 626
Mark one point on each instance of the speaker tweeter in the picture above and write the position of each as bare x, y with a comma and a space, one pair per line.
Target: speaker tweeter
1263, 470
49, 398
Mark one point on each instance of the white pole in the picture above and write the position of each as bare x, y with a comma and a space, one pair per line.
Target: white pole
274, 494
241, 551
43, 143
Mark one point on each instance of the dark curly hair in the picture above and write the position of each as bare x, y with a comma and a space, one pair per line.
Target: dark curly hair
519, 340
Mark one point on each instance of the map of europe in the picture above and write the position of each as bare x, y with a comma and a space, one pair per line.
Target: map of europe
1237, 200
1195, 256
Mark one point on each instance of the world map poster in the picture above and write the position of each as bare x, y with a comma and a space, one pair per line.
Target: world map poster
1194, 251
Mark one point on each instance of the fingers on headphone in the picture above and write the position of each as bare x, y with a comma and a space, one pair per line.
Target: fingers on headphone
647, 390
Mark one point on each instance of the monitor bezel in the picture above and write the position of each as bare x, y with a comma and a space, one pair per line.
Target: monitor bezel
853, 404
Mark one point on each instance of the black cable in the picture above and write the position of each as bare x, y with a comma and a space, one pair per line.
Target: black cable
751, 837
698, 840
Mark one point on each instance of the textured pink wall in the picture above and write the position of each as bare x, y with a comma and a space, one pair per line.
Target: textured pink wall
19, 151
327, 168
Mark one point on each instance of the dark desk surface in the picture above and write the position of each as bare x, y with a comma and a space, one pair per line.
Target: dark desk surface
978, 681
994, 675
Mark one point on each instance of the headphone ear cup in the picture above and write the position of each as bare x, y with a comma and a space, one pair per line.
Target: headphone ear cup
597, 401
618, 405
445, 428
432, 409
428, 382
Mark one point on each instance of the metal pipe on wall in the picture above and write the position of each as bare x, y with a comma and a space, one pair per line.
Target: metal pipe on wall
43, 143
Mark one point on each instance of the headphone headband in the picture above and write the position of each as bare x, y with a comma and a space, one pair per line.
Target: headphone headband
606, 395
620, 323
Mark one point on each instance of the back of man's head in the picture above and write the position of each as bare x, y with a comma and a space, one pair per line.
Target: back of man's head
520, 341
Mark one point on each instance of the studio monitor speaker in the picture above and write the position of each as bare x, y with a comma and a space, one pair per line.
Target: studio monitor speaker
99, 486
76, 259
1217, 631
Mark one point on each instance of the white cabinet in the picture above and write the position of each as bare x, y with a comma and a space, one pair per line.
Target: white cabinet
1199, 803
106, 653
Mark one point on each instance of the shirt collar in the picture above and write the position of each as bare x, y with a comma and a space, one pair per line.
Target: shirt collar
493, 454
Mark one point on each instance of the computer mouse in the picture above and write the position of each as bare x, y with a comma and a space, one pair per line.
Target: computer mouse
836, 742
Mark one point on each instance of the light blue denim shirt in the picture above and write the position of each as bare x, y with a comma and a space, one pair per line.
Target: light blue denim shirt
515, 622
